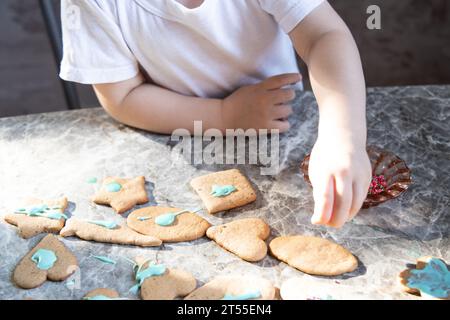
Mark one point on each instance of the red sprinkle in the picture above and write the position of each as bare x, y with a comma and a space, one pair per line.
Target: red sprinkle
378, 185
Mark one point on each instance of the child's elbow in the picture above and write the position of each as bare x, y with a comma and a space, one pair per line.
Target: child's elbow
115, 111
112, 98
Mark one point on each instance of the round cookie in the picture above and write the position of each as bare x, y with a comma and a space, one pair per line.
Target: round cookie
187, 226
235, 288
101, 294
312, 255
244, 237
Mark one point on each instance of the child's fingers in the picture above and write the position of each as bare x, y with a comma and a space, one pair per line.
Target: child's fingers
281, 80
281, 96
359, 195
342, 201
282, 111
323, 201
280, 125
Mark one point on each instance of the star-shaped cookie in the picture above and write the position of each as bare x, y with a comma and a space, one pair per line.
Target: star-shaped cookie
121, 194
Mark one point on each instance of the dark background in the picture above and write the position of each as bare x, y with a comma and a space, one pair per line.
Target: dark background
412, 48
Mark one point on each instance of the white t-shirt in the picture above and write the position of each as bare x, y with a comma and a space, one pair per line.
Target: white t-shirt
209, 51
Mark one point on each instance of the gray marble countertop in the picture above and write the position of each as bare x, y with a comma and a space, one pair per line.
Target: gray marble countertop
51, 155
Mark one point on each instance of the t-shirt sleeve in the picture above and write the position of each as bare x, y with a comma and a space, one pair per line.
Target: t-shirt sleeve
94, 50
289, 13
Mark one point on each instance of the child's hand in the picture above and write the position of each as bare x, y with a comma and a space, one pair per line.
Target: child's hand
261, 106
340, 173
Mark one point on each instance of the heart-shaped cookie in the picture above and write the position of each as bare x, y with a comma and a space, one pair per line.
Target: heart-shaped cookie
235, 288
49, 260
429, 279
245, 238
312, 255
186, 226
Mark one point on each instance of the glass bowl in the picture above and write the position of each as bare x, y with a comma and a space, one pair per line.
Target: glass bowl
385, 165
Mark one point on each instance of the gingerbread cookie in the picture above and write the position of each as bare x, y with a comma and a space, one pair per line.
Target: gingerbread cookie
168, 224
39, 216
235, 288
49, 260
430, 279
313, 255
224, 190
245, 238
121, 194
107, 232
102, 294
157, 282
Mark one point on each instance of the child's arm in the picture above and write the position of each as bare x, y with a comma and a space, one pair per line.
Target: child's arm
149, 107
339, 169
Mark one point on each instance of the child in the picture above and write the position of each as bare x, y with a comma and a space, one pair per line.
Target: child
159, 65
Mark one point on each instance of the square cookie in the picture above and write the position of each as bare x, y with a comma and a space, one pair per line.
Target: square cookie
225, 190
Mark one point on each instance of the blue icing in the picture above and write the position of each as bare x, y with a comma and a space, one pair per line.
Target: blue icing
433, 280
37, 210
222, 191
43, 211
113, 187
44, 259
55, 215
166, 219
105, 224
92, 180
245, 296
142, 275
105, 259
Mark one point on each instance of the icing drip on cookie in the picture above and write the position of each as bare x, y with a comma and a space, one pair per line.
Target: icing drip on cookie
105, 224
142, 275
92, 180
167, 219
245, 296
222, 191
44, 259
433, 280
113, 187
43, 211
